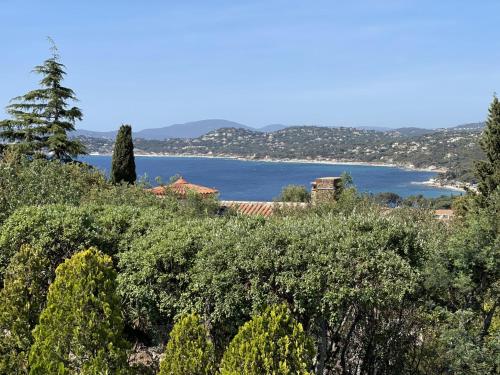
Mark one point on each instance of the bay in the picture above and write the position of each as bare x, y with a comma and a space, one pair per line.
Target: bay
263, 181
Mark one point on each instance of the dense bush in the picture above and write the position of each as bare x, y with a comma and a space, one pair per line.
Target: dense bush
294, 193
189, 350
80, 329
39, 182
21, 302
154, 272
463, 280
60, 230
271, 343
344, 277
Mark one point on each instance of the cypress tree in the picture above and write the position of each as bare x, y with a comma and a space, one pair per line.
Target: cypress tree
42, 118
189, 350
488, 171
80, 329
123, 163
271, 343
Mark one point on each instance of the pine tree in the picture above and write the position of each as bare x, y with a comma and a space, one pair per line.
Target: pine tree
42, 118
271, 343
123, 163
488, 171
80, 330
189, 350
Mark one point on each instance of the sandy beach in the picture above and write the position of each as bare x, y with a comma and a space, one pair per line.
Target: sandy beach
287, 160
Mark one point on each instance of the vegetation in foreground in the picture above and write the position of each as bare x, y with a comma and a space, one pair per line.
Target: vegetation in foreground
106, 278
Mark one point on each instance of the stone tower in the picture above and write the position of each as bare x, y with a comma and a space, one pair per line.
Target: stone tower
323, 189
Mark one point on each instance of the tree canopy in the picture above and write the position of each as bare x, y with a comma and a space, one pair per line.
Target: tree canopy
123, 163
488, 171
41, 119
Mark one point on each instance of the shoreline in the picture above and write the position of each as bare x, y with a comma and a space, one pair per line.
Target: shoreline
450, 186
297, 161
432, 182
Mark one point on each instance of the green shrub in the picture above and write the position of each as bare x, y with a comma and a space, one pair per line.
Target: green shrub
189, 350
333, 270
271, 343
80, 329
154, 272
21, 301
60, 230
39, 182
294, 193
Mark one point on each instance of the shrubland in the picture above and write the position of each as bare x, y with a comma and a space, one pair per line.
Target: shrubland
93, 271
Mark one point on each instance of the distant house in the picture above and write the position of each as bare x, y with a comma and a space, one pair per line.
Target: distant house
181, 188
444, 215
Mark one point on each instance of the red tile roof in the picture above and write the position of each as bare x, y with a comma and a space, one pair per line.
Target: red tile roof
181, 188
264, 209
444, 214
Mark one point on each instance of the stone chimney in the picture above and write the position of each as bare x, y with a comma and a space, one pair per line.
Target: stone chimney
323, 189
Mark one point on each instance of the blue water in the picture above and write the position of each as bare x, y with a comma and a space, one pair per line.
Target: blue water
255, 180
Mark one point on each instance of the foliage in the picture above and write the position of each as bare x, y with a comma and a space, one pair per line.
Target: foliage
41, 118
21, 301
80, 329
60, 230
343, 276
123, 163
294, 193
271, 343
388, 199
26, 182
189, 350
488, 171
463, 280
416, 201
154, 273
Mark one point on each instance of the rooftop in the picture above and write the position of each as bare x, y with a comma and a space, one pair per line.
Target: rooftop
254, 208
181, 188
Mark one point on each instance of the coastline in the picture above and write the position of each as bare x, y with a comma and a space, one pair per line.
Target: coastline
456, 186
449, 185
288, 160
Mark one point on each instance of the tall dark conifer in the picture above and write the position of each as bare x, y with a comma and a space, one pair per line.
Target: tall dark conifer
488, 171
42, 118
123, 164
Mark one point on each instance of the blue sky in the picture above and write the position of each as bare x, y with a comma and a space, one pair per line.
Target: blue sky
366, 63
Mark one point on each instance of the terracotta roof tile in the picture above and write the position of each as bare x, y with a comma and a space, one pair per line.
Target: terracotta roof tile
181, 188
252, 208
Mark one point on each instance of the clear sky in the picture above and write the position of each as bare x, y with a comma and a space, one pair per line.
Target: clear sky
367, 63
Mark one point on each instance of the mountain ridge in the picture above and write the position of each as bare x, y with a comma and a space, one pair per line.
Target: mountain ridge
196, 129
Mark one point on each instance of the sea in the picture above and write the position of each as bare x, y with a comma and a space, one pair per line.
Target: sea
263, 180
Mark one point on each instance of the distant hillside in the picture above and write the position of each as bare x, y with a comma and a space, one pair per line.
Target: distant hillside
93, 134
187, 130
196, 129
411, 131
471, 126
452, 149
272, 128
